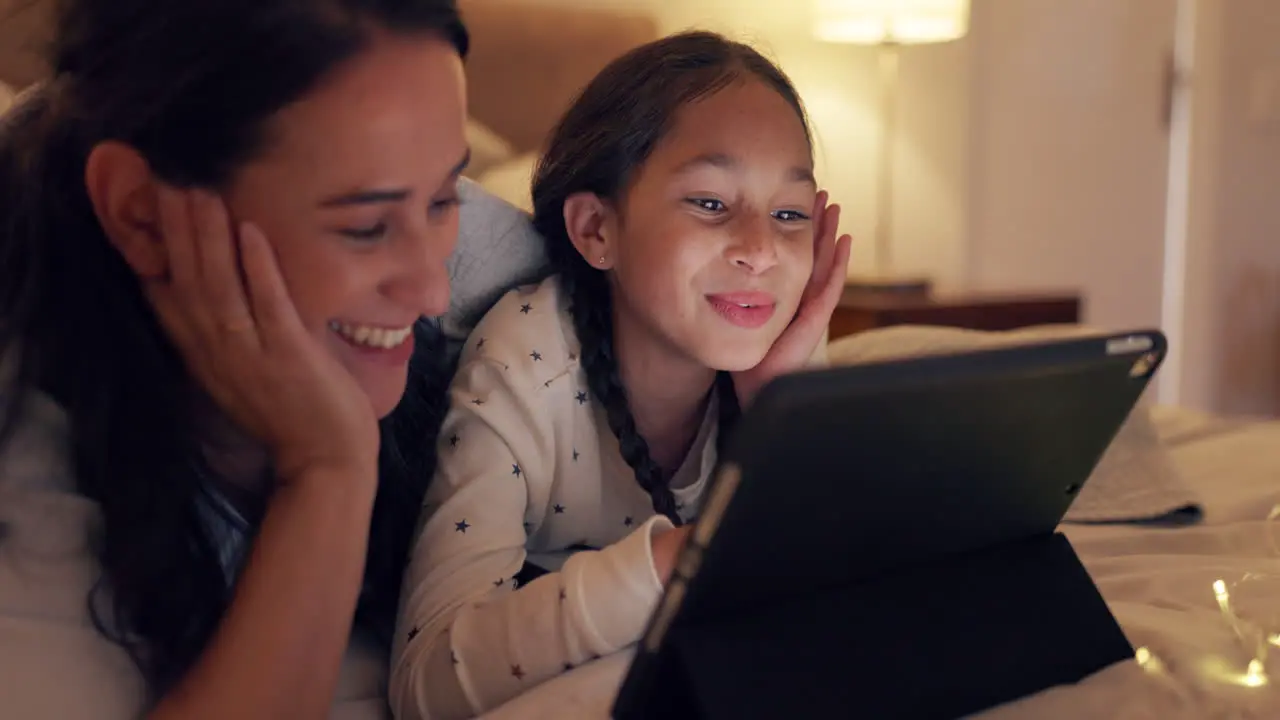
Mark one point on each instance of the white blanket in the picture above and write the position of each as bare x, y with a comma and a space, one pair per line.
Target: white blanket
1159, 582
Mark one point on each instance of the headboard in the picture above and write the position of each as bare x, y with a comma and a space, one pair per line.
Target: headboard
24, 34
528, 61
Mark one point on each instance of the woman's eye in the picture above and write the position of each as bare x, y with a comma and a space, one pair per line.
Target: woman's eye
365, 234
790, 216
707, 204
444, 205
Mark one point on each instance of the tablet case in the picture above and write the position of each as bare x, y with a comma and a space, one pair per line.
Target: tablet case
953, 592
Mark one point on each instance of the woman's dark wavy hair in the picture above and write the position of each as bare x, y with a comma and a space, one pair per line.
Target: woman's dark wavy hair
189, 84
598, 146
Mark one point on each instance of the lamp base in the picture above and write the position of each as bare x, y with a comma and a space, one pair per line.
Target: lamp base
894, 284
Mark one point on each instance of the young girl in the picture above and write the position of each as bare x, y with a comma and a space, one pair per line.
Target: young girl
695, 260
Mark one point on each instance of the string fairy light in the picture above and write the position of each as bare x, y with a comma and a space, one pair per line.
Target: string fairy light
1251, 637
1255, 638
1255, 675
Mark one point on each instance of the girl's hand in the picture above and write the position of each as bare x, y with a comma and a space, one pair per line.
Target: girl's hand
792, 350
666, 550
226, 308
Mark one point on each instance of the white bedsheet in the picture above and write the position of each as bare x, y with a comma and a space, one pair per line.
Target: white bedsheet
1158, 581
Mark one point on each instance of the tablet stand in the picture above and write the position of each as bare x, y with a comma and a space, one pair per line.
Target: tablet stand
939, 641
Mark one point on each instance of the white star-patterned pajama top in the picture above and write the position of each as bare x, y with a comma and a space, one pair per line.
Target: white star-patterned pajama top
529, 471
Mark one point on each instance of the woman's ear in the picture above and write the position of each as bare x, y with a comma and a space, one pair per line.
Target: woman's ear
123, 189
589, 221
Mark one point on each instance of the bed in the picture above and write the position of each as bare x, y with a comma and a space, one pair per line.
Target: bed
1196, 588
1158, 581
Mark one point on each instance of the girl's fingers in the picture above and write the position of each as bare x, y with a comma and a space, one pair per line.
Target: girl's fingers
828, 286
819, 218
824, 250
269, 298
820, 206
222, 287
824, 247
837, 272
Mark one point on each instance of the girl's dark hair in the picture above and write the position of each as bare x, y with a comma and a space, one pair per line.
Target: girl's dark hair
598, 146
189, 84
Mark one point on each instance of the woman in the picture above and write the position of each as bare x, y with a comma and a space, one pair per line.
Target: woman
219, 222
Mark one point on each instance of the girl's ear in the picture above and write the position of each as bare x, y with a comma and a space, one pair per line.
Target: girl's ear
122, 189
588, 220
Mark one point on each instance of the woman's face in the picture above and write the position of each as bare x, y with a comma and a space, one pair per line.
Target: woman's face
357, 193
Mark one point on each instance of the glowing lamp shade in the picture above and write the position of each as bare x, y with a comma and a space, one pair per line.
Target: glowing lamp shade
909, 22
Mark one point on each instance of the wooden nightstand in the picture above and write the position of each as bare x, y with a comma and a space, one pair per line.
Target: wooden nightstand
859, 311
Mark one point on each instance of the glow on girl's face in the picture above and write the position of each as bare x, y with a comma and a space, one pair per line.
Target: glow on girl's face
718, 217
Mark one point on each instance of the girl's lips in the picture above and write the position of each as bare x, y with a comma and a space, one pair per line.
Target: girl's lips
744, 309
745, 297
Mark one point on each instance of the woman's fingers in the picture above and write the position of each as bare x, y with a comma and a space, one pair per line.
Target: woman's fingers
175, 235
174, 295
222, 292
269, 298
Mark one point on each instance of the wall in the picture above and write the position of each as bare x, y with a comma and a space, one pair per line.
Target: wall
1068, 184
1230, 320
839, 85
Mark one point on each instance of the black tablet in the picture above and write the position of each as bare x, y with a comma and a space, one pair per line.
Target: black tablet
840, 478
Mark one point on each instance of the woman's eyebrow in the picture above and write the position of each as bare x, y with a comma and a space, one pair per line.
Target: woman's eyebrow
366, 197
373, 196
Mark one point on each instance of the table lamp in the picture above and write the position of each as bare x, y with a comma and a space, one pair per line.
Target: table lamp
888, 25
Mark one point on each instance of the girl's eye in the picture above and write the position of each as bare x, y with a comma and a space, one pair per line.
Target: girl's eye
790, 216
708, 204
444, 205
366, 234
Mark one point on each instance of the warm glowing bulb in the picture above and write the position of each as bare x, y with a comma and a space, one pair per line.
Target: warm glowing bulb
1224, 598
1256, 676
1146, 660
901, 21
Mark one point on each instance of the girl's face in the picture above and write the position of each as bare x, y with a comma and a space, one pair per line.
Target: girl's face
713, 245
357, 194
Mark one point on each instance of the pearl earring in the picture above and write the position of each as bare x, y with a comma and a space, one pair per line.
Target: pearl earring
602, 260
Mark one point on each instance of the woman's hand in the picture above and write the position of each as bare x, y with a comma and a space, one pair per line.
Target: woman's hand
792, 350
226, 308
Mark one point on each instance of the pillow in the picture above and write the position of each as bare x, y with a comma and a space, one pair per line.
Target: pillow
497, 250
1135, 481
512, 180
487, 148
